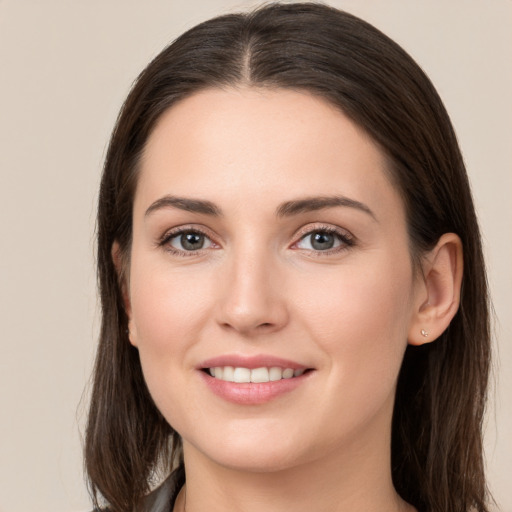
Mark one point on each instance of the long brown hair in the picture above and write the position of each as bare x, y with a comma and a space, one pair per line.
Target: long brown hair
437, 462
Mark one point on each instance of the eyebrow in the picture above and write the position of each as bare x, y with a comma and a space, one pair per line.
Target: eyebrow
286, 209
310, 204
188, 205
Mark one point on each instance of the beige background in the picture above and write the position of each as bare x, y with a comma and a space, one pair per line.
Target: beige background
65, 67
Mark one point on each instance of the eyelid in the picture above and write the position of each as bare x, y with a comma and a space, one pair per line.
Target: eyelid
347, 238
168, 235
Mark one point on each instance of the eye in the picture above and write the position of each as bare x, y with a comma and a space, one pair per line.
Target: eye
189, 240
324, 240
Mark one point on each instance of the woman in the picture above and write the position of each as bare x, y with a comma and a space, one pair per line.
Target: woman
294, 298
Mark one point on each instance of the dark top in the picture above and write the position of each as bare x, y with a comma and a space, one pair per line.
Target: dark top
163, 497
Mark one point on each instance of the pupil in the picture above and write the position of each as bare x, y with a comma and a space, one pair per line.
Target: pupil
192, 241
322, 241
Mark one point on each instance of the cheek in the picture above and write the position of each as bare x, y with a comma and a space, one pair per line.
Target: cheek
362, 296
360, 320
168, 307
169, 312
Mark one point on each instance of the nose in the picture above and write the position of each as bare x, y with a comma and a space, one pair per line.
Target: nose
253, 296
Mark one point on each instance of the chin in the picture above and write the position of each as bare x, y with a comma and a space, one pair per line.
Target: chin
256, 461
261, 453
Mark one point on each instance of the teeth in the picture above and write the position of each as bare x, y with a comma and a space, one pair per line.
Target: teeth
228, 374
288, 373
275, 373
242, 375
257, 375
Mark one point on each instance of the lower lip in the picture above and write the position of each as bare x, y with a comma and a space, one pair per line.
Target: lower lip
250, 393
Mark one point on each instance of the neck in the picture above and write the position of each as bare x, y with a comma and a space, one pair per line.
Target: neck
356, 478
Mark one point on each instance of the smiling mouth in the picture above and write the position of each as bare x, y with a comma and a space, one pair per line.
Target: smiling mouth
254, 375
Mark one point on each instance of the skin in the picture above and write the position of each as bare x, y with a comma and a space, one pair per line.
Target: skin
258, 286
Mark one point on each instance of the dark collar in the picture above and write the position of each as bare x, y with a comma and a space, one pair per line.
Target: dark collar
163, 497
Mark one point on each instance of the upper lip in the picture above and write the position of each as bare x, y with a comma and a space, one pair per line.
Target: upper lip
251, 362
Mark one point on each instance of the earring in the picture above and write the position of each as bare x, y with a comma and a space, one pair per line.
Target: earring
424, 333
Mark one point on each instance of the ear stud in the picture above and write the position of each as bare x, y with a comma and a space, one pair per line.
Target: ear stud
424, 333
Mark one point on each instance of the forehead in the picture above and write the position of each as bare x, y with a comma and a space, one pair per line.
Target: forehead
258, 143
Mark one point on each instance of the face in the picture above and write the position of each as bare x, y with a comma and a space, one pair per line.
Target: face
270, 250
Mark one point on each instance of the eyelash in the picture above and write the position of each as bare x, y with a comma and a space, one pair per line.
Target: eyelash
174, 233
346, 240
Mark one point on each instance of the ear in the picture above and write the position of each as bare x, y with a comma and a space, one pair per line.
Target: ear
439, 292
121, 271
